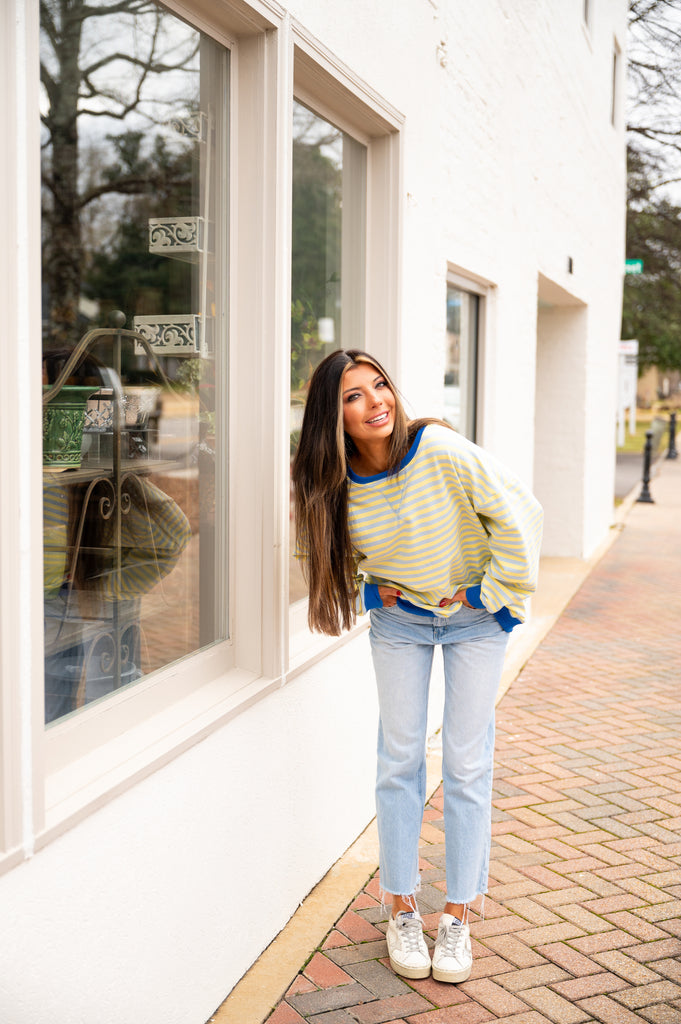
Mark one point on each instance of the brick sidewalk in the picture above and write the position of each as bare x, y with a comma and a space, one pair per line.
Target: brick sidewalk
583, 917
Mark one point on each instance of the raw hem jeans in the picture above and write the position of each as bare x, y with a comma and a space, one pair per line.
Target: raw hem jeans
473, 648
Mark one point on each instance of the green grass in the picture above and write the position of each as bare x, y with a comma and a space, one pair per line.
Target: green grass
636, 442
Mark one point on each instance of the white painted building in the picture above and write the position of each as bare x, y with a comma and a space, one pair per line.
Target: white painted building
468, 164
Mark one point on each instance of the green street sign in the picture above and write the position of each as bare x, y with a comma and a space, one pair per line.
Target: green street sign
633, 266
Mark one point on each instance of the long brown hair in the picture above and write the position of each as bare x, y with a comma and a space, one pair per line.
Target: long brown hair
321, 494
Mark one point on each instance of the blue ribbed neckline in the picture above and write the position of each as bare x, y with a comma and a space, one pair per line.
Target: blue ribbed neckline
405, 462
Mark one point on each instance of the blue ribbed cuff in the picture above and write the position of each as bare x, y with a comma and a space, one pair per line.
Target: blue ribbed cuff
503, 616
506, 620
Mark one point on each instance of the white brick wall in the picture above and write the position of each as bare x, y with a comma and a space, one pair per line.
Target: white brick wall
512, 166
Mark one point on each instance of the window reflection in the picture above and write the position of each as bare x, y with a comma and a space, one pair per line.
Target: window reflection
461, 355
327, 260
134, 136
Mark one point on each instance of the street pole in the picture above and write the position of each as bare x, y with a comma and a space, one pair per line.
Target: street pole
672, 453
645, 494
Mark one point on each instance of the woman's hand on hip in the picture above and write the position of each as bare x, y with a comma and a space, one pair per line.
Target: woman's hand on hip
389, 596
459, 596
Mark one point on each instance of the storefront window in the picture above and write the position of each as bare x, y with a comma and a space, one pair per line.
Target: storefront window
328, 260
461, 358
134, 347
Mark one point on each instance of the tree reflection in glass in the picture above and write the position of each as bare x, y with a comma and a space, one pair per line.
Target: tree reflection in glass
133, 224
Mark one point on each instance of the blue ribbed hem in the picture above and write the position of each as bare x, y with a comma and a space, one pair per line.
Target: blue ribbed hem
473, 597
407, 606
372, 598
503, 616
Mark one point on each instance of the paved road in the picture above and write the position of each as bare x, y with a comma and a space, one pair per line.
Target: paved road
628, 473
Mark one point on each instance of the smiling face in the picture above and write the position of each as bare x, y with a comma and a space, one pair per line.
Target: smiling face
368, 405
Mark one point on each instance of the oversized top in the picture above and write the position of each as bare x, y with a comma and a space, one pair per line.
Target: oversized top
451, 518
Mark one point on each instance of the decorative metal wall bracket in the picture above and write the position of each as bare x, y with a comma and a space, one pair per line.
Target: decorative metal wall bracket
194, 125
180, 238
178, 335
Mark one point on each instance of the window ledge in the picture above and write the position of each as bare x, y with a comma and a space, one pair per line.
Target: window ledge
75, 790
82, 786
11, 859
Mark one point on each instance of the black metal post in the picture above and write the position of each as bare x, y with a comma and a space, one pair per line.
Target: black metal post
645, 494
672, 453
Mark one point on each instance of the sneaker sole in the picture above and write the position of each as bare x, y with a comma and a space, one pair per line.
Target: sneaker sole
415, 973
451, 977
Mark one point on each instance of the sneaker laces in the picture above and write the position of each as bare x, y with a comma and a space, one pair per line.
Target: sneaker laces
454, 941
411, 931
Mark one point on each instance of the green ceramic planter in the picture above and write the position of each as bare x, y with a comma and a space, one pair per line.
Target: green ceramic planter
63, 421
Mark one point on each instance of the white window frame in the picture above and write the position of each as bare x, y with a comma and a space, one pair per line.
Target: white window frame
52, 778
616, 84
21, 701
485, 289
327, 87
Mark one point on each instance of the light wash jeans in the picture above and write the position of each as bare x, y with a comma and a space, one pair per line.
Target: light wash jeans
473, 647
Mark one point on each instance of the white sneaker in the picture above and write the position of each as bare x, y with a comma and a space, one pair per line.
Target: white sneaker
452, 959
407, 948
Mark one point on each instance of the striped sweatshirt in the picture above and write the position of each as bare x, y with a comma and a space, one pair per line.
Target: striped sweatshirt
452, 518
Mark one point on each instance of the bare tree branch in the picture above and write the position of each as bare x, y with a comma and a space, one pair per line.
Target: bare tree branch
133, 185
654, 77
47, 24
148, 66
124, 7
48, 81
98, 69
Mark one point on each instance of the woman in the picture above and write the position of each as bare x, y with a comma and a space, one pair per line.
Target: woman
412, 522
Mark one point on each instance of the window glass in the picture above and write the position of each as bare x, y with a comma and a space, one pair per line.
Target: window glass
461, 357
327, 260
133, 110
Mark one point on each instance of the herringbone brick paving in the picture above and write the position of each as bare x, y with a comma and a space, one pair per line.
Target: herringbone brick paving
582, 921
